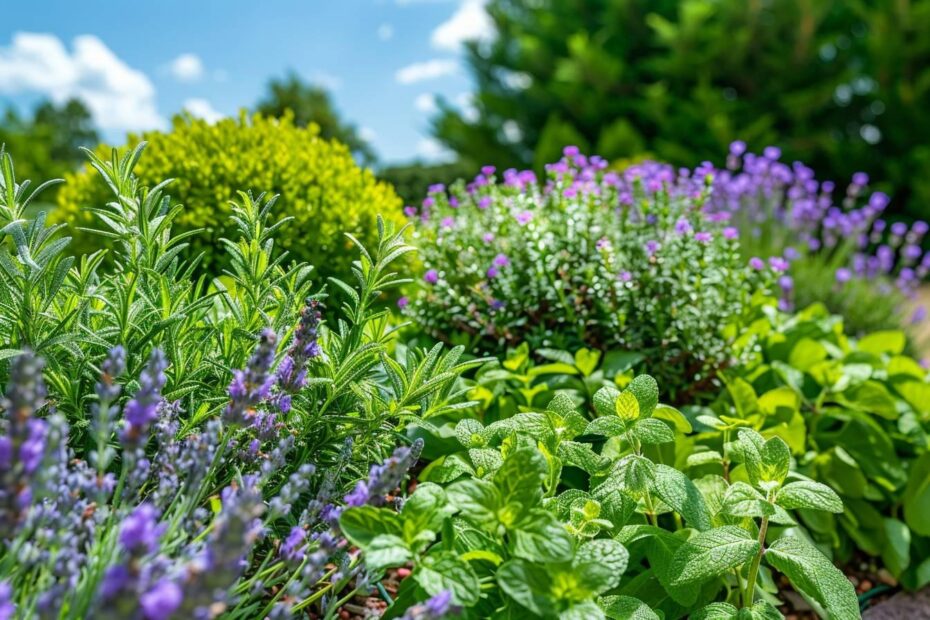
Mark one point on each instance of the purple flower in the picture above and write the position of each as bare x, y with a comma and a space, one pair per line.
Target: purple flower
860, 178
703, 237
448, 222
843, 275
771, 152
292, 549
757, 263
435, 608
359, 496
431, 276
410, 211
436, 188
161, 601
484, 202
403, 302
292, 371
730, 233
492, 272
488, 237
252, 386
141, 410
737, 147
7, 608
778, 263
487, 170
920, 227
919, 314
571, 151
786, 283
625, 276
501, 260
652, 247
682, 226
899, 229
524, 217
140, 530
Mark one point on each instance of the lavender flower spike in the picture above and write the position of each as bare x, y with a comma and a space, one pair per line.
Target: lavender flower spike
436, 608
142, 409
252, 385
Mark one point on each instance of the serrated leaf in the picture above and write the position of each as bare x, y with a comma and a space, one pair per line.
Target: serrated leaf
712, 553
742, 500
470, 433
610, 426
627, 407
586, 610
386, 551
634, 473
704, 457
582, 456
646, 391
809, 494
600, 563
527, 584
562, 404
542, 538
604, 400
478, 500
680, 493
651, 431
811, 573
716, 611
447, 572
626, 608
776, 460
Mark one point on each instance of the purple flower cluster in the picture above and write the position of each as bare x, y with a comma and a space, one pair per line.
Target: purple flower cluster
252, 386
141, 410
292, 371
384, 478
435, 608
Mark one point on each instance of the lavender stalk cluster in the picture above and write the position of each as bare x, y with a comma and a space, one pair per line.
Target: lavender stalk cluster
435, 608
385, 477
292, 371
252, 385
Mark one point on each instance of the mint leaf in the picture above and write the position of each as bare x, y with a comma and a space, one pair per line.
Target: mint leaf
604, 400
809, 494
626, 608
562, 404
477, 500
446, 571
527, 584
599, 564
653, 431
712, 553
588, 610
676, 489
386, 551
362, 524
716, 611
542, 538
608, 426
471, 434
646, 391
776, 460
582, 456
742, 500
627, 407
520, 478
814, 576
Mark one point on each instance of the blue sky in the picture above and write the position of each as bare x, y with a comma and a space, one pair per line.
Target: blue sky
137, 63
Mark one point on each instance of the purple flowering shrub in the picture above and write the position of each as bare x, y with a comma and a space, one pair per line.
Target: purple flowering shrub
584, 257
841, 250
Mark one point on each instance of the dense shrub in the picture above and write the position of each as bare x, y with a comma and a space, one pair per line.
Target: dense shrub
173, 450
584, 257
841, 85
318, 182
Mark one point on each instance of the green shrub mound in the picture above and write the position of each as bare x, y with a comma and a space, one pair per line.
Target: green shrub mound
318, 182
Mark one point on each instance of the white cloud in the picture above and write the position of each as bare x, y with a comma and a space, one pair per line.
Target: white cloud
367, 134
409, 2
433, 150
201, 108
187, 68
470, 22
428, 70
118, 96
385, 32
466, 103
425, 103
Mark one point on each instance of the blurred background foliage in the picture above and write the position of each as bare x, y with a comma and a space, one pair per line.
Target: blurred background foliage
843, 86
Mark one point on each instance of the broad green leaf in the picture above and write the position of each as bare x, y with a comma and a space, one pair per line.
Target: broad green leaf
762, 610
446, 469
806, 353
527, 584
742, 500
540, 537
905, 366
520, 477
363, 523
607, 426
386, 551
812, 574
646, 391
562, 404
870, 397
652, 431
897, 553
604, 400
600, 564
809, 494
486, 461
880, 342
627, 407
586, 360
780, 399
634, 473
712, 553
471, 434
676, 489
445, 571
425, 509
917, 496
716, 611
586, 610
744, 397
626, 608
776, 460
678, 420
703, 457
582, 456
478, 500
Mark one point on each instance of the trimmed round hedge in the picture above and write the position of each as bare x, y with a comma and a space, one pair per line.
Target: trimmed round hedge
319, 183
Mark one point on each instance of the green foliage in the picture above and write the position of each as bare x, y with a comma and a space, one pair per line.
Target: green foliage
319, 185
560, 516
841, 85
852, 413
412, 181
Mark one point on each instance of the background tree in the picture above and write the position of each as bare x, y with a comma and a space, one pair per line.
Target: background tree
312, 104
47, 144
841, 85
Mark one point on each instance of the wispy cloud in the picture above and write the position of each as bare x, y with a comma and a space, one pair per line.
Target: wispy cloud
187, 68
428, 70
201, 108
425, 103
118, 96
433, 150
470, 22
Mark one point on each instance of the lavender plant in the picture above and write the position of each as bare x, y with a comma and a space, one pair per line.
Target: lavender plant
584, 256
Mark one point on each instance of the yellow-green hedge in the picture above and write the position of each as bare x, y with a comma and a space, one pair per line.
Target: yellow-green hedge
320, 185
